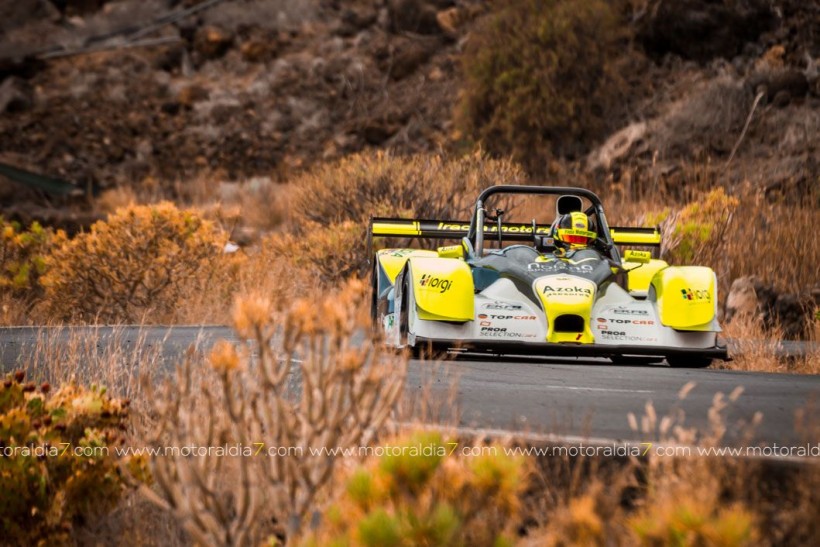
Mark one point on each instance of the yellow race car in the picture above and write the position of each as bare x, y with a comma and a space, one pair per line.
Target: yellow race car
560, 288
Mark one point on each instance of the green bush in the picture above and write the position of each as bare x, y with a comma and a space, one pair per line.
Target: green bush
420, 493
57, 463
695, 234
22, 254
542, 78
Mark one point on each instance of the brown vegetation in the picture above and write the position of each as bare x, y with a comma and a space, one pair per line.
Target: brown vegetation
722, 156
543, 78
296, 384
138, 262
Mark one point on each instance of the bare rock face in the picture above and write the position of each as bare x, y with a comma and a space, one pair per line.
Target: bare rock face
750, 297
15, 95
704, 29
742, 300
15, 14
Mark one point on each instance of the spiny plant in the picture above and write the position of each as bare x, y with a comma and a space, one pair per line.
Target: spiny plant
299, 382
418, 493
140, 261
57, 460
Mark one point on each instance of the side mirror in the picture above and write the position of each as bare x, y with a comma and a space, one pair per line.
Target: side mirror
639, 257
451, 251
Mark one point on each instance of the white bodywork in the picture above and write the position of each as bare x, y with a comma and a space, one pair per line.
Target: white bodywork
503, 313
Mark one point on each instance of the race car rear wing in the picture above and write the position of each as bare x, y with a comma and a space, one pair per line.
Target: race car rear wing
511, 231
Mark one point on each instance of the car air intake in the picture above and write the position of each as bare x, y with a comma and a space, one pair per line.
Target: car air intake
568, 323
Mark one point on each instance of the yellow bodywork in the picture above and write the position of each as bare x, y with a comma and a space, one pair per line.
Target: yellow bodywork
686, 297
567, 295
640, 275
625, 236
443, 289
393, 260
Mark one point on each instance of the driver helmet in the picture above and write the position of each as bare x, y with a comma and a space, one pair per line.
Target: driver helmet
572, 231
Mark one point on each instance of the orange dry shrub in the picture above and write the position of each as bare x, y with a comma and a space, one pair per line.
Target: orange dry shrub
324, 253
380, 184
136, 265
333, 203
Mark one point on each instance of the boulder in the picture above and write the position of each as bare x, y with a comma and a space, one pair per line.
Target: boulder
749, 297
702, 30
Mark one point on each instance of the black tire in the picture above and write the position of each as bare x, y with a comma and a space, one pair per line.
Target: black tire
418, 351
404, 324
689, 362
634, 360
374, 300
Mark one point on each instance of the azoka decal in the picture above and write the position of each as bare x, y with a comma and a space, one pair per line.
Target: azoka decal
501, 306
428, 280
565, 290
689, 294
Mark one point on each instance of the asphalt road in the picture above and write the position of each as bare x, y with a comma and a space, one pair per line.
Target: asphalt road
573, 399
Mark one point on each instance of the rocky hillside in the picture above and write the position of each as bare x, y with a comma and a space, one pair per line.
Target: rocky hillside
155, 93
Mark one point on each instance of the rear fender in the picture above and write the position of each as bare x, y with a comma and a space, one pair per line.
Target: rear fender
442, 288
686, 297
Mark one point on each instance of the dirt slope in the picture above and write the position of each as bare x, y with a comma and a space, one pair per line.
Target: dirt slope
266, 87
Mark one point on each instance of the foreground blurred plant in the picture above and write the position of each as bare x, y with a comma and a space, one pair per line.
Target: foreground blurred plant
695, 500
419, 494
57, 463
139, 261
300, 384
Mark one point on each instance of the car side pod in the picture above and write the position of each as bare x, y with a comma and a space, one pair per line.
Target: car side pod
686, 297
443, 289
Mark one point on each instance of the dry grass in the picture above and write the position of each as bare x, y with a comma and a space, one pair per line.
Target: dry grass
299, 384
764, 351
